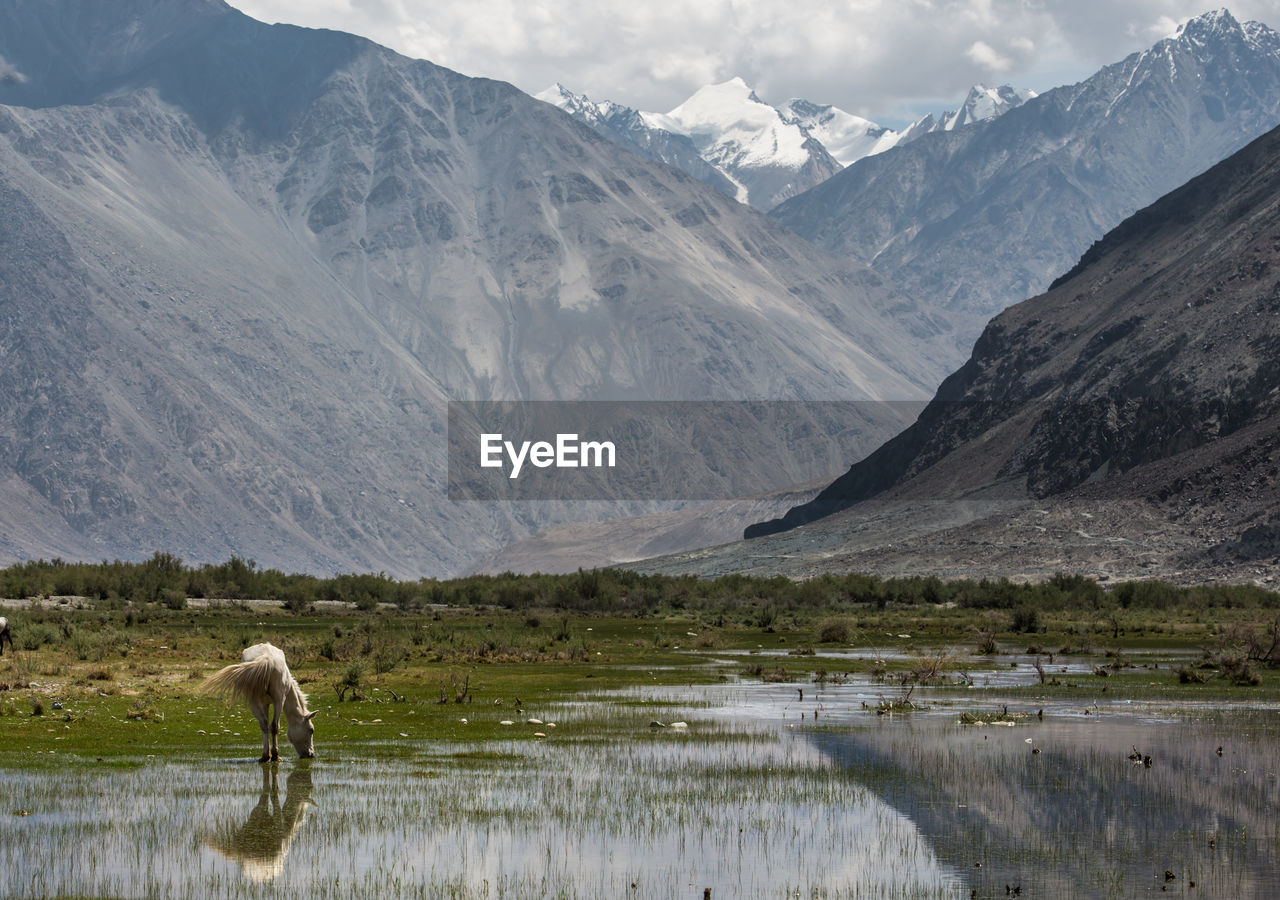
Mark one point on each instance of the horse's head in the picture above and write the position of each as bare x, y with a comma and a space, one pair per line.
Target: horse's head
300, 735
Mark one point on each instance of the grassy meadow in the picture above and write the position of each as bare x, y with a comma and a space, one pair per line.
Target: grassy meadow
117, 674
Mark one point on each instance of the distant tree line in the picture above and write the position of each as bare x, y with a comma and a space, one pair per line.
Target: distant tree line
164, 579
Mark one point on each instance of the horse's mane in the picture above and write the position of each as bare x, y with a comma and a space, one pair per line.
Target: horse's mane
300, 696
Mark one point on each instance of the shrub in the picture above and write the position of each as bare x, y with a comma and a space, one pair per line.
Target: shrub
97, 645
835, 631
36, 635
1237, 670
708, 640
350, 681
386, 658
1190, 676
300, 604
1025, 618
987, 644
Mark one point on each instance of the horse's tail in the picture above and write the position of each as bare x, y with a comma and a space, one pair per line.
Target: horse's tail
243, 679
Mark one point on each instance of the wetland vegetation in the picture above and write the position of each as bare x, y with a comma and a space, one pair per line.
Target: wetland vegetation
509, 737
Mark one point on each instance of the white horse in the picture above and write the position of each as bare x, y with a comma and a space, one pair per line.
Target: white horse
5, 635
263, 679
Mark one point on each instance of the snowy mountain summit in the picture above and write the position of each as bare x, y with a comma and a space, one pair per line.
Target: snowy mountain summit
981, 105
769, 156
726, 136
847, 137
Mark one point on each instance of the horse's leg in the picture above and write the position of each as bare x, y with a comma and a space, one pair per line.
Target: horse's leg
275, 728
259, 710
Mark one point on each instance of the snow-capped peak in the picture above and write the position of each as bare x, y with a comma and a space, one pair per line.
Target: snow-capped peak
847, 137
557, 95
577, 104
985, 103
580, 105
1215, 21
728, 122
720, 106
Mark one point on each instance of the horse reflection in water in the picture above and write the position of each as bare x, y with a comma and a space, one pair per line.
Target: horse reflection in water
261, 844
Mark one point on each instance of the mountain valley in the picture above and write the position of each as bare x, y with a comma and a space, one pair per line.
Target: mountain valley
246, 266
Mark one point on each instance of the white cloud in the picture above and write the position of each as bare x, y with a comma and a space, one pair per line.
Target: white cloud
985, 55
1163, 27
9, 75
882, 58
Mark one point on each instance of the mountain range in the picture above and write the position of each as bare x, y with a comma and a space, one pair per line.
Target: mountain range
1127, 421
1018, 157
726, 136
976, 209
977, 218
245, 267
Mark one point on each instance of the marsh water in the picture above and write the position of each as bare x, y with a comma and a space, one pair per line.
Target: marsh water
756, 797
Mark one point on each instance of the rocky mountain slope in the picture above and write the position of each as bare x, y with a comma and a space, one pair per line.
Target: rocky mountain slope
982, 217
1139, 397
591, 545
1124, 423
245, 266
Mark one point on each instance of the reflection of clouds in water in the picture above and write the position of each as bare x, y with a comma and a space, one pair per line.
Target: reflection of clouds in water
261, 844
754, 819
742, 802
1058, 803
737, 864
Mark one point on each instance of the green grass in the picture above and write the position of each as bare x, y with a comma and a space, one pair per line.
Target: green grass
130, 693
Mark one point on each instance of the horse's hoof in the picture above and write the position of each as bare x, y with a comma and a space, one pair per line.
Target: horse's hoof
264, 758
275, 757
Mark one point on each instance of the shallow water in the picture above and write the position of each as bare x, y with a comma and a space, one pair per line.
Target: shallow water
746, 816
751, 801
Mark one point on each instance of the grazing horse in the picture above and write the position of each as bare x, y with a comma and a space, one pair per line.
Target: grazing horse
261, 844
5, 635
263, 679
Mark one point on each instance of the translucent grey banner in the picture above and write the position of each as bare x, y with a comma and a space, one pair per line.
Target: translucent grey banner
658, 450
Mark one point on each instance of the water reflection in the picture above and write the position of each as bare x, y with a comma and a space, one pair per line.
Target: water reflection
752, 801
261, 844
1060, 809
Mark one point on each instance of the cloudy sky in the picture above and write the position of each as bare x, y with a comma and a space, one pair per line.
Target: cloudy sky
889, 60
